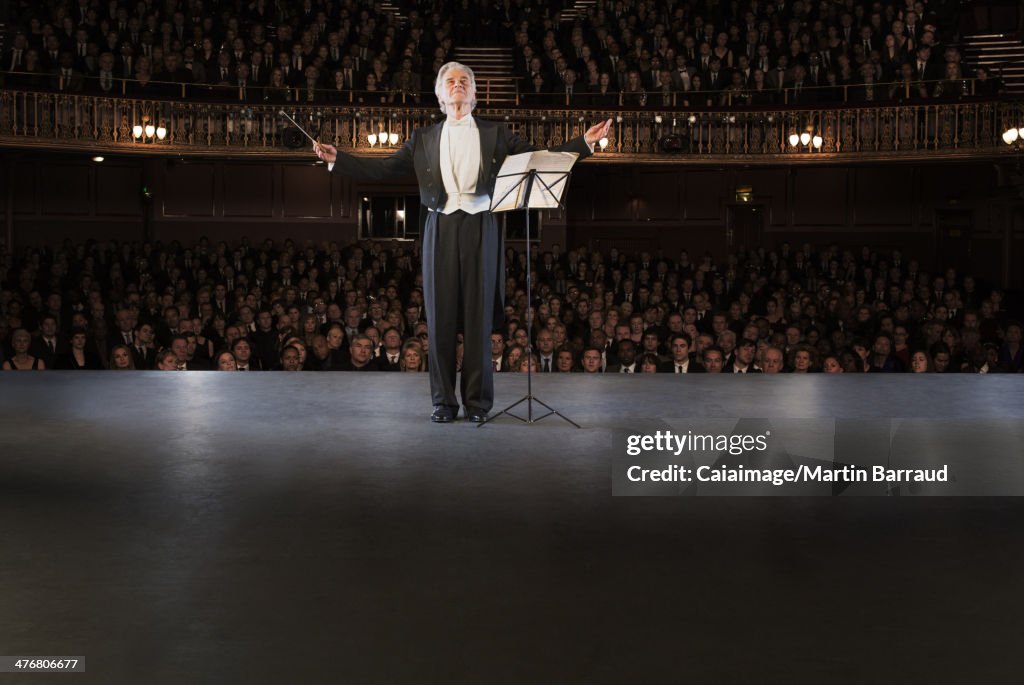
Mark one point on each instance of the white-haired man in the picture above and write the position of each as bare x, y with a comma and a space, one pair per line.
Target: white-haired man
456, 163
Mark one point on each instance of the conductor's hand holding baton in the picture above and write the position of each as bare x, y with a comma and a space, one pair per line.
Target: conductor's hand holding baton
327, 153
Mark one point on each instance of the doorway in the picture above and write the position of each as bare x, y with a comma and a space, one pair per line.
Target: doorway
744, 227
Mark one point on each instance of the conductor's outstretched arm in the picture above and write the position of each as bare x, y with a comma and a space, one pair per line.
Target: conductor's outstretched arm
369, 168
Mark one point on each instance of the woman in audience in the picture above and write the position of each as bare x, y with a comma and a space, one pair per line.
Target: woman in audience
565, 361
633, 94
722, 51
80, 356
412, 357
919, 362
832, 364
121, 358
760, 93
373, 94
604, 95
225, 361
21, 360
277, 91
512, 356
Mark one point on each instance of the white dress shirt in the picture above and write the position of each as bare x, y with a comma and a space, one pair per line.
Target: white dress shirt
460, 166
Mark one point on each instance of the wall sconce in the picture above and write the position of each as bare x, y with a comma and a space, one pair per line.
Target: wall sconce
804, 139
382, 138
146, 131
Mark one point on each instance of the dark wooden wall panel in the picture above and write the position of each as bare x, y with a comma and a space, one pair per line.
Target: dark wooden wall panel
188, 189
24, 188
658, 196
51, 231
247, 190
819, 196
118, 190
880, 196
703, 195
658, 208
306, 191
187, 230
71, 183
601, 195
658, 240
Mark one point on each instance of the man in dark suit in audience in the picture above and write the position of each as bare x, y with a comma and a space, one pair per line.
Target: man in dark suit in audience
143, 352
390, 356
743, 358
681, 361
49, 345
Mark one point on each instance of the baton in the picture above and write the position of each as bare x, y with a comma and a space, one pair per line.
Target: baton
285, 115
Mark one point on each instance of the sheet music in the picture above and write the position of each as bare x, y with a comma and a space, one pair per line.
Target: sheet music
551, 169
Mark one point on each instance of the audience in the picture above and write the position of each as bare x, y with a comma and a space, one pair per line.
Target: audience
625, 52
281, 306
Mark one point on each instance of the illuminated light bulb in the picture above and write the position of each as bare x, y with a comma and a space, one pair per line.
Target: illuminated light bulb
794, 139
371, 139
1010, 136
161, 132
603, 143
392, 138
805, 138
137, 131
150, 130
816, 140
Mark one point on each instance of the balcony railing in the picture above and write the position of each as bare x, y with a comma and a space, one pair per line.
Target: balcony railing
130, 125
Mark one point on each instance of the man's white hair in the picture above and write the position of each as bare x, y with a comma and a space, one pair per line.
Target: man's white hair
439, 85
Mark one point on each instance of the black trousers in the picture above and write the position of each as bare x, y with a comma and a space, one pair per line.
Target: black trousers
460, 271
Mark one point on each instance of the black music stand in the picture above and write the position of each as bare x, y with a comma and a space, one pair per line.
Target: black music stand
528, 178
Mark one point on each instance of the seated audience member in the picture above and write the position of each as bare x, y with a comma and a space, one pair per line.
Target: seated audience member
225, 361
920, 362
592, 360
411, 358
121, 358
682, 361
565, 361
166, 360
290, 359
80, 356
21, 360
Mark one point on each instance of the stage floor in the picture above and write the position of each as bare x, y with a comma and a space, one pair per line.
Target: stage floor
310, 528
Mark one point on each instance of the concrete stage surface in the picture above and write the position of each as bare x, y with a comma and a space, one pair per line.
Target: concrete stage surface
317, 528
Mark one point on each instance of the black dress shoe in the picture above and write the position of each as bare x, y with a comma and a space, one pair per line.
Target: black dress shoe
442, 414
476, 415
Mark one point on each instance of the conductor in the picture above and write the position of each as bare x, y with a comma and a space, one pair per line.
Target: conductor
456, 163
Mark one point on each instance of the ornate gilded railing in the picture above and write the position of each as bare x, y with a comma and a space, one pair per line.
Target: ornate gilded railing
125, 125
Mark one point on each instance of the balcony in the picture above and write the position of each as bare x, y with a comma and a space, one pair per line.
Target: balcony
933, 129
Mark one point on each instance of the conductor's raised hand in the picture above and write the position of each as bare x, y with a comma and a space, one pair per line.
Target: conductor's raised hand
326, 152
597, 132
